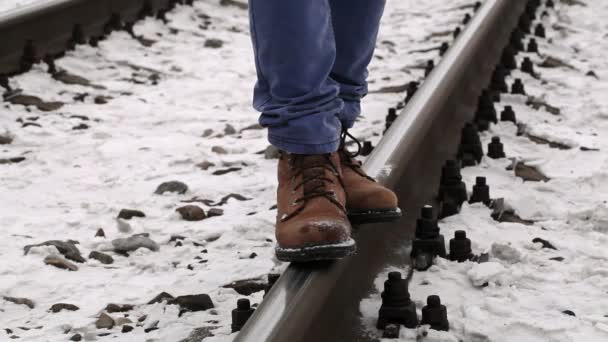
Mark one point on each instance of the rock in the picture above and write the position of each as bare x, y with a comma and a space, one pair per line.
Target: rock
191, 213
246, 287
219, 150
215, 212
225, 171
20, 301
104, 321
272, 152
569, 313
63, 306
5, 139
161, 297
100, 233
544, 243
229, 129
207, 133
200, 302
252, 127
122, 321
529, 173
133, 243
176, 238
142, 318
112, 308
126, 329
80, 127
506, 253
101, 257
76, 337
172, 186
205, 165
199, 334
59, 262
153, 326
214, 43
66, 248
128, 214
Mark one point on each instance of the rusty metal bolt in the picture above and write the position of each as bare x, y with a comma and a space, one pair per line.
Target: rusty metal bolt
397, 307
241, 314
481, 192
435, 314
532, 46
518, 87
460, 247
508, 114
496, 149
539, 31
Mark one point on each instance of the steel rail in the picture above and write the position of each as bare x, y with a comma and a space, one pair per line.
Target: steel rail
320, 302
46, 28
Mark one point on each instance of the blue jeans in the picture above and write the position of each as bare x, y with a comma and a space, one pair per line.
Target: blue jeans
311, 58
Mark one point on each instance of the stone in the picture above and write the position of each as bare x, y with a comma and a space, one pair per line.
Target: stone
59, 262
66, 248
76, 337
63, 306
229, 129
112, 308
133, 243
246, 287
128, 214
205, 165
215, 212
104, 321
126, 329
219, 150
214, 43
161, 297
5, 139
171, 186
225, 171
20, 301
153, 326
100, 233
272, 152
207, 132
191, 213
199, 302
101, 257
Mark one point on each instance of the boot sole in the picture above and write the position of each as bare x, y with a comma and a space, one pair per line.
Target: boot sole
317, 253
358, 217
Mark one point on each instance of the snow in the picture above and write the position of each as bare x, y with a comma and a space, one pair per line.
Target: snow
167, 108
522, 292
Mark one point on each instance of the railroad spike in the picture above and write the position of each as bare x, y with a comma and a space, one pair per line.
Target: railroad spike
397, 307
477, 6
508, 58
498, 82
508, 114
272, 279
481, 192
435, 314
518, 87
30, 56
466, 19
470, 150
50, 62
367, 148
78, 37
527, 66
412, 88
456, 32
460, 247
452, 190
390, 118
516, 39
496, 149
443, 48
241, 314
533, 46
428, 242
539, 31
430, 65
525, 24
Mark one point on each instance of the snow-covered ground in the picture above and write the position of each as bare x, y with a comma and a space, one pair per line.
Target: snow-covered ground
176, 110
11, 5
526, 292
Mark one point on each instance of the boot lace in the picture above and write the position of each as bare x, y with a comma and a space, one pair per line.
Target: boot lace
312, 169
347, 159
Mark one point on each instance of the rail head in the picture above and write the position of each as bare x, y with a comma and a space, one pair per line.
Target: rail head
297, 307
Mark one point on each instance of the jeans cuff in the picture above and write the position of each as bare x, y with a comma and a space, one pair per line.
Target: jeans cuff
302, 148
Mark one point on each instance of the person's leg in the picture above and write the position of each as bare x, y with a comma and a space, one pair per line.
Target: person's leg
356, 24
295, 52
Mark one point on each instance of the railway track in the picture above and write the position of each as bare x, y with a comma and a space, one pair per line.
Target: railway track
320, 302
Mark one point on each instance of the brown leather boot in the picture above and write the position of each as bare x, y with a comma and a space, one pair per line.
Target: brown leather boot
367, 201
312, 223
